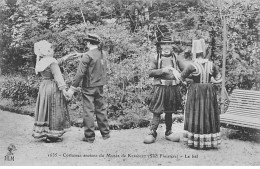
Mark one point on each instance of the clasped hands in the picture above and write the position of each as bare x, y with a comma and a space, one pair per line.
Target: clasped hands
171, 70
68, 94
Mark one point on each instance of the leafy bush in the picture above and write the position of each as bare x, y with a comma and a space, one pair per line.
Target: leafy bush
22, 90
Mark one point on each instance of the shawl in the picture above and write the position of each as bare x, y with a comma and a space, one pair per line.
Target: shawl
44, 63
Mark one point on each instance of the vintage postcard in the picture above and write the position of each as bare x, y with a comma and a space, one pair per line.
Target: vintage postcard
129, 83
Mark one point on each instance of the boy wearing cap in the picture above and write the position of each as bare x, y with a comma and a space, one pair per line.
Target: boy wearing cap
92, 70
166, 96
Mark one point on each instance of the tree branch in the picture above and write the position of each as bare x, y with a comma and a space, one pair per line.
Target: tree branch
82, 16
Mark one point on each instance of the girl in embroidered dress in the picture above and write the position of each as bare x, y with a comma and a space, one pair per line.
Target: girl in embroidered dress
51, 113
201, 119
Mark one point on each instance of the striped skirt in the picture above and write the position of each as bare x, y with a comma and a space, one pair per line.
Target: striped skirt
165, 99
201, 118
51, 113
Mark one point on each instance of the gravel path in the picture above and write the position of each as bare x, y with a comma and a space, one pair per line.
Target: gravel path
125, 147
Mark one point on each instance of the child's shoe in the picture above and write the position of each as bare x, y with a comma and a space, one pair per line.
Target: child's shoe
171, 137
150, 138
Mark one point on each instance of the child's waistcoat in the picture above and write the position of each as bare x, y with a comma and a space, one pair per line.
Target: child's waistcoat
163, 62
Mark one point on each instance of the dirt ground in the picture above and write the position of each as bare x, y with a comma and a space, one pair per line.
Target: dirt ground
125, 147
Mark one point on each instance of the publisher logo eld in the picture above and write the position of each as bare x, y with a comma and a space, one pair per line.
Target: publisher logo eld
10, 155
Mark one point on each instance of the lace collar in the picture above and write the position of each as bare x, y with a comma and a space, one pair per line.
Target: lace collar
44, 63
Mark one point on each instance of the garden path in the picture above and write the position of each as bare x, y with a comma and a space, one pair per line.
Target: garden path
17, 129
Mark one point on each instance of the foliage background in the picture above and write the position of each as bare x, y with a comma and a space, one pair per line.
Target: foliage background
128, 35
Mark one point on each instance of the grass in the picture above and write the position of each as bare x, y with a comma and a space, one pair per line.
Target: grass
240, 133
8, 105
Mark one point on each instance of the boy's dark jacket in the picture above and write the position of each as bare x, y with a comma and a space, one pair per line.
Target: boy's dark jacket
92, 69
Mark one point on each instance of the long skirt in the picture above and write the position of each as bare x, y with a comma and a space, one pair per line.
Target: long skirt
201, 119
51, 113
165, 99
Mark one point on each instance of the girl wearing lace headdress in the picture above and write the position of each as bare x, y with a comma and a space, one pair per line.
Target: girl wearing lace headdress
51, 113
201, 116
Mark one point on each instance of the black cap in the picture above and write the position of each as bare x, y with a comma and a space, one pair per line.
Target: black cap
93, 38
165, 41
165, 38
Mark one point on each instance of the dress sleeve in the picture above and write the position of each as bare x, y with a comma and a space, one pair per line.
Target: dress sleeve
82, 67
55, 70
180, 64
153, 71
189, 69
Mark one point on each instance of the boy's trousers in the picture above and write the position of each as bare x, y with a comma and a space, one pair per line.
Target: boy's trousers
93, 103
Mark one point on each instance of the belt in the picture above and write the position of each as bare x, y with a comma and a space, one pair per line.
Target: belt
168, 82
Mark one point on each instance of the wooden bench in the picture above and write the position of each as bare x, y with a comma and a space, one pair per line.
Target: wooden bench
243, 109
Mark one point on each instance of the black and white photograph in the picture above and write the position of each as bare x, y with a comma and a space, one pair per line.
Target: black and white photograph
129, 83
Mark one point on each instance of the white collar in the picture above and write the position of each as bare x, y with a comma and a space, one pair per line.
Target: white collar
44, 63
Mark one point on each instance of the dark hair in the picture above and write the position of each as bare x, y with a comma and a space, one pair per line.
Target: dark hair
188, 54
100, 46
93, 39
93, 42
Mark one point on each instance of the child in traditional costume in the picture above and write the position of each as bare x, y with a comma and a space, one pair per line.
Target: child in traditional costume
51, 113
91, 72
201, 121
165, 95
